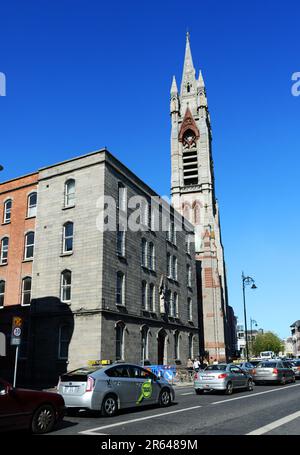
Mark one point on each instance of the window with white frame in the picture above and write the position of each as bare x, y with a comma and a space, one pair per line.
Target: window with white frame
188, 243
171, 305
2, 292
190, 309
144, 252
70, 193
174, 268
66, 286
120, 289
63, 341
191, 346
175, 305
176, 345
151, 257
26, 291
68, 237
151, 297
29, 245
152, 300
145, 344
120, 341
7, 211
31, 204
144, 295
120, 241
169, 265
4, 251
189, 275
122, 197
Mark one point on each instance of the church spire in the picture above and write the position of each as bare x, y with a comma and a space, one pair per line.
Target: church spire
174, 89
188, 82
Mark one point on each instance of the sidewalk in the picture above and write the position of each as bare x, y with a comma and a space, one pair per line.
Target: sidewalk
183, 384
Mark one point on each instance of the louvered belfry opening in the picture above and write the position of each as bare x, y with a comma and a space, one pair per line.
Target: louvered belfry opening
190, 159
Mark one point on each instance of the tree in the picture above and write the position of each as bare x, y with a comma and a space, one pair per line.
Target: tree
268, 341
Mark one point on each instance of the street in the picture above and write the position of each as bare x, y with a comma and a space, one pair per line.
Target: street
272, 410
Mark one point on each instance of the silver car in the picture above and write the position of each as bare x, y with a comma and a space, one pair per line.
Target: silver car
273, 371
225, 377
110, 388
296, 368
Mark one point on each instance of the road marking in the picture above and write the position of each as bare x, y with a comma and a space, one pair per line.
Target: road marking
140, 419
255, 394
277, 423
187, 393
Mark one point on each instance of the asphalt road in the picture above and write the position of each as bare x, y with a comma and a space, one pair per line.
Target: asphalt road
266, 410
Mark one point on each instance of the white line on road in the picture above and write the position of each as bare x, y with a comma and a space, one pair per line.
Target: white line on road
256, 394
140, 419
187, 393
277, 423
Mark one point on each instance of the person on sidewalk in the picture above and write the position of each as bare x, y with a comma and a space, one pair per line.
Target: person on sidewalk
196, 365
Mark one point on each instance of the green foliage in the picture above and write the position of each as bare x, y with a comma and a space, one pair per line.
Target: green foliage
267, 342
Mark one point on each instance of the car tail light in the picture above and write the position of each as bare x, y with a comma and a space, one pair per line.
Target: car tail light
275, 371
222, 376
298, 368
90, 384
195, 376
254, 371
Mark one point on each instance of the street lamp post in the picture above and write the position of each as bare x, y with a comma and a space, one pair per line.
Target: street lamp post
252, 321
246, 280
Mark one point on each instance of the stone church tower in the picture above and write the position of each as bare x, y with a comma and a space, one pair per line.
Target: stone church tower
193, 195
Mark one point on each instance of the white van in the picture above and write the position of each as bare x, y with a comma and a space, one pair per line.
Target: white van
265, 355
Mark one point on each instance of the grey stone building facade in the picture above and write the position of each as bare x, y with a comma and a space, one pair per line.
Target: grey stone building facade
115, 273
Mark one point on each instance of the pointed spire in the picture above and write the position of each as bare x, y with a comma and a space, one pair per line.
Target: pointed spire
188, 75
174, 89
200, 80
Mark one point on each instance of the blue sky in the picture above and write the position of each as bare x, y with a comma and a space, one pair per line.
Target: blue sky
82, 75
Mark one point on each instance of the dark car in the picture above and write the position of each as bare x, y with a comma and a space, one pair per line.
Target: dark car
37, 411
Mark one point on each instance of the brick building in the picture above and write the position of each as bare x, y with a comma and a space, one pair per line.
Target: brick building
18, 204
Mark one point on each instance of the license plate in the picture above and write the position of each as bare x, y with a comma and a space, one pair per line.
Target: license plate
70, 389
207, 378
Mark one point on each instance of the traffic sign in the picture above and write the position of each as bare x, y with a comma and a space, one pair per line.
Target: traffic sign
16, 331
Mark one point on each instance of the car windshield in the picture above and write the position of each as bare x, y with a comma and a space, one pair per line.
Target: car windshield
255, 362
215, 368
297, 363
80, 374
267, 365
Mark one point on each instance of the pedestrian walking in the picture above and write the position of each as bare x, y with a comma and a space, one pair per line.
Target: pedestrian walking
196, 365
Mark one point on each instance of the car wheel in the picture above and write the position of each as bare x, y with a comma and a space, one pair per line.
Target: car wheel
283, 380
164, 398
43, 419
250, 385
229, 389
199, 391
109, 406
